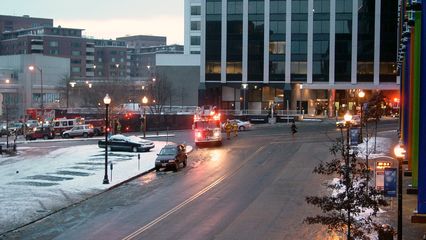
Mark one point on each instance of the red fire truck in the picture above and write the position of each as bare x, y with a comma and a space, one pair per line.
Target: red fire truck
207, 126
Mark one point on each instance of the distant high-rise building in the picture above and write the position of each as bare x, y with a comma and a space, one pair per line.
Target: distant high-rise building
310, 53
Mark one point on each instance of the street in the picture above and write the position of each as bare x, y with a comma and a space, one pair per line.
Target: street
252, 187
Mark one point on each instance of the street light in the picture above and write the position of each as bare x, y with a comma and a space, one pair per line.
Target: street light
32, 68
300, 96
361, 96
244, 85
348, 119
144, 101
399, 154
107, 101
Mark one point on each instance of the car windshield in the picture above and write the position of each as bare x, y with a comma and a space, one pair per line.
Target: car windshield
168, 151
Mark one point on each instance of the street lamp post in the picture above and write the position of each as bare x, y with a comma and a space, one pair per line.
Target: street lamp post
244, 85
361, 96
144, 101
400, 154
32, 68
348, 119
107, 101
300, 101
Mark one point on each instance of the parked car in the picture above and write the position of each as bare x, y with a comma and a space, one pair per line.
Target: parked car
356, 121
171, 156
4, 131
242, 125
40, 133
79, 131
123, 143
16, 128
32, 123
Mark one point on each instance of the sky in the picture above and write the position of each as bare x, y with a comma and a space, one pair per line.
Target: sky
108, 19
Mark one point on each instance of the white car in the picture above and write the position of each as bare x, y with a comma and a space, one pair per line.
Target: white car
79, 131
242, 125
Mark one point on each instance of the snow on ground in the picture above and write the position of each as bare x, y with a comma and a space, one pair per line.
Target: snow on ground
34, 186
383, 146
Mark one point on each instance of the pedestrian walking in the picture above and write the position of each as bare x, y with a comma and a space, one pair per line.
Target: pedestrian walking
293, 128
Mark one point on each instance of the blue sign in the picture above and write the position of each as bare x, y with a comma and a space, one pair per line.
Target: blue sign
390, 182
354, 136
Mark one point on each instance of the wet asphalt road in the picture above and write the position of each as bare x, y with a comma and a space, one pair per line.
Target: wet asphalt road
253, 187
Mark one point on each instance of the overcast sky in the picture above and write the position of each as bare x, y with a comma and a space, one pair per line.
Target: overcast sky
107, 18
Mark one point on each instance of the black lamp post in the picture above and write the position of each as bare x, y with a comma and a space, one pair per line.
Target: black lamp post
348, 119
107, 101
400, 154
144, 101
244, 85
32, 68
361, 96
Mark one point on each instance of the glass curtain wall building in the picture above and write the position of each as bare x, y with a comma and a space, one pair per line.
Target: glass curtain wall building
296, 54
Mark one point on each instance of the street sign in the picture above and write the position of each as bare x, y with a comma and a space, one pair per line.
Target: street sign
390, 182
354, 136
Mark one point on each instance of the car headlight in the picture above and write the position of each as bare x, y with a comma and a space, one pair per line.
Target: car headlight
216, 134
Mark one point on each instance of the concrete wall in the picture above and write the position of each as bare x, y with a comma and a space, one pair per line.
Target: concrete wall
184, 73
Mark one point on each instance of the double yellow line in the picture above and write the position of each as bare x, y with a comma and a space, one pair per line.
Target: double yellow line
187, 201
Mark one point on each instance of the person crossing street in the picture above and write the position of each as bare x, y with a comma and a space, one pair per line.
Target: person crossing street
293, 128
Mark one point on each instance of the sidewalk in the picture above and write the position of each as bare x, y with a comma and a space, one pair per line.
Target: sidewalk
38, 182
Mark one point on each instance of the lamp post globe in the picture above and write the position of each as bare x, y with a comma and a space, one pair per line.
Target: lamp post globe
347, 117
399, 152
107, 102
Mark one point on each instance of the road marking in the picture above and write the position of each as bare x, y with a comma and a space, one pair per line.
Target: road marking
189, 200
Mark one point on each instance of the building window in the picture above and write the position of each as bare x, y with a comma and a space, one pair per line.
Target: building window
75, 44
195, 52
234, 68
277, 47
53, 43
195, 25
213, 67
277, 6
298, 68
75, 61
99, 59
299, 47
195, 40
195, 10
75, 69
277, 67
53, 51
75, 53
277, 27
